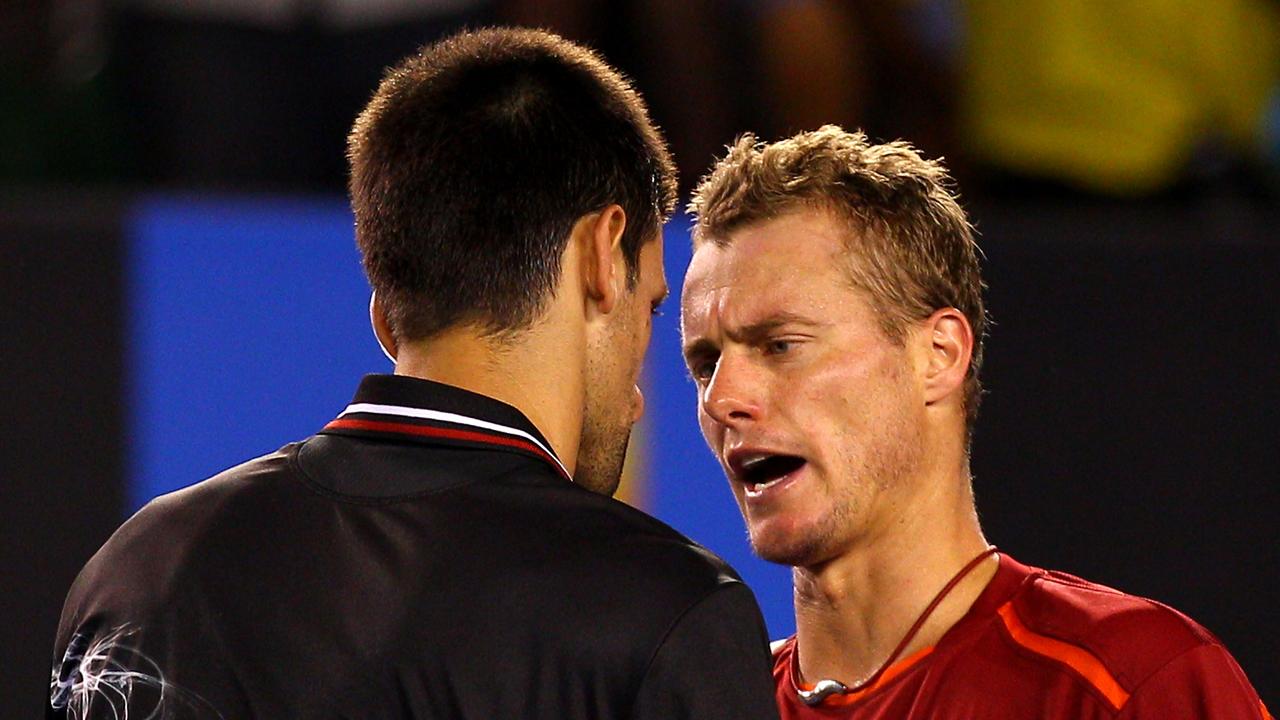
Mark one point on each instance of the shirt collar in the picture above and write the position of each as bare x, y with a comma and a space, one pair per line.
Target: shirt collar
407, 409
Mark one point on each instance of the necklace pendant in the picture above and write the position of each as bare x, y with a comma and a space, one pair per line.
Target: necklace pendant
821, 691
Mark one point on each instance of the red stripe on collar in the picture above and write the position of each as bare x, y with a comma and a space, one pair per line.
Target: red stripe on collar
445, 433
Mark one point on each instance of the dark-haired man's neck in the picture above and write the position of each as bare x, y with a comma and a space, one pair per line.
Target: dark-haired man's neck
536, 374
542, 370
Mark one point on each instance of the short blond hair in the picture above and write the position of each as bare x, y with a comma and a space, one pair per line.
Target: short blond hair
910, 245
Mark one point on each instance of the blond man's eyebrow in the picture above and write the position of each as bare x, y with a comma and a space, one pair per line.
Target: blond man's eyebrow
760, 329
748, 334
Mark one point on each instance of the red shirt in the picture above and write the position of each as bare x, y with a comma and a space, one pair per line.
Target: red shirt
1047, 645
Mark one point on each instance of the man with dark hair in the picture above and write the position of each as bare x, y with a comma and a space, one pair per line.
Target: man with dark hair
833, 323
448, 547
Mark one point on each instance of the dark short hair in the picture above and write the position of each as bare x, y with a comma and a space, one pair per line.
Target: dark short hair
910, 245
474, 160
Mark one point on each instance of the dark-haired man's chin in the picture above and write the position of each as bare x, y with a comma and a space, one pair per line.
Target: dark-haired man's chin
600, 467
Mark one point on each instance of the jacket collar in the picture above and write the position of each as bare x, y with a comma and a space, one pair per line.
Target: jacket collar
413, 410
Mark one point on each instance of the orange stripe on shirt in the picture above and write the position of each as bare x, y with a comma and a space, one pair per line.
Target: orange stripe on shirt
1077, 658
1263, 707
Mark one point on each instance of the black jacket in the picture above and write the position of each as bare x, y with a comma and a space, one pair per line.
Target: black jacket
424, 556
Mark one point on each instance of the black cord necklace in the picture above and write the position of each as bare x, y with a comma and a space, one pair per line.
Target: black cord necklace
826, 688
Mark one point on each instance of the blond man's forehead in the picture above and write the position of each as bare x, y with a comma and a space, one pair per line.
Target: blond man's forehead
792, 264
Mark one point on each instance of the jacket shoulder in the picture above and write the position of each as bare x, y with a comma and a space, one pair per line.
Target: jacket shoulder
171, 527
663, 552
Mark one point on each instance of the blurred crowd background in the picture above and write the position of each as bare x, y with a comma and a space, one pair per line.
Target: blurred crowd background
171, 198
1123, 99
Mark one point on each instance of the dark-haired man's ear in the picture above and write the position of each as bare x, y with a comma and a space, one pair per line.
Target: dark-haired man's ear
382, 328
603, 264
947, 343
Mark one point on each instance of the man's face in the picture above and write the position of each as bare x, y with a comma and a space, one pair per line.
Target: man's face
614, 359
814, 413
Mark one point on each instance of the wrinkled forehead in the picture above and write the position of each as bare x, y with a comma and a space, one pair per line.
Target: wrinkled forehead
778, 266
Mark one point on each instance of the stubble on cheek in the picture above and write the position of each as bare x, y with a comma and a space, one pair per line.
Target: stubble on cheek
606, 420
863, 468
601, 457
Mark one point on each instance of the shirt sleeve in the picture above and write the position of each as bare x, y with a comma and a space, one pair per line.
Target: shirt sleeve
1204, 683
714, 663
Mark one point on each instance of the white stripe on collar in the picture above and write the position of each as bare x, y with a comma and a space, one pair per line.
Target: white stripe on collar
439, 416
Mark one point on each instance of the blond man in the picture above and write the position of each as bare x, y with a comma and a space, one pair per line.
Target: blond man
833, 322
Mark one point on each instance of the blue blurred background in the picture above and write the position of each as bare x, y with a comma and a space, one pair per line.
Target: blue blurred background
180, 289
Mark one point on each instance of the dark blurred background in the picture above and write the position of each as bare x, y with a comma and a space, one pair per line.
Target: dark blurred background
1121, 161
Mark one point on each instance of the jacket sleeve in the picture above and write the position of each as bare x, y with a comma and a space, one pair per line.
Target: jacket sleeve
1203, 683
713, 663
